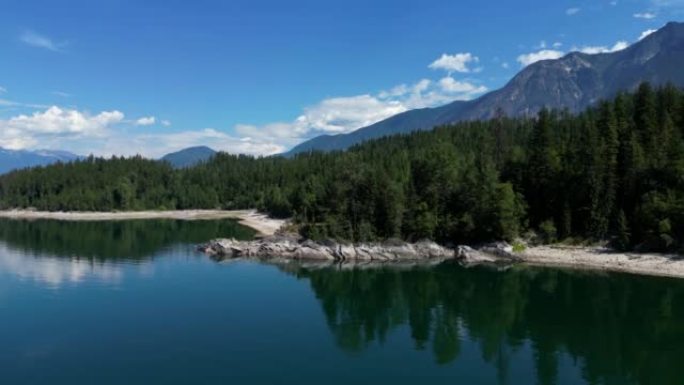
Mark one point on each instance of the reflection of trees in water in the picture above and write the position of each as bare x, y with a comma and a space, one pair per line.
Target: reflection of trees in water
620, 328
134, 239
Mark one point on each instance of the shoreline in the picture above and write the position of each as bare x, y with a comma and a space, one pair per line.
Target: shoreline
597, 259
573, 257
261, 223
604, 259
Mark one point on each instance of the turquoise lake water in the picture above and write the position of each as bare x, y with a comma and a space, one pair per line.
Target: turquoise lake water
134, 303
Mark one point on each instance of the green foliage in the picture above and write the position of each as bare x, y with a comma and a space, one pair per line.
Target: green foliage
518, 247
614, 172
548, 232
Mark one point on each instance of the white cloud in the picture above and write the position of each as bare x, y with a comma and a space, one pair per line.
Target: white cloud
146, 121
106, 133
341, 114
155, 145
548, 54
455, 63
3, 90
572, 11
646, 33
25, 131
61, 94
346, 114
334, 116
533, 57
645, 15
505, 65
36, 40
619, 46
451, 85
557, 44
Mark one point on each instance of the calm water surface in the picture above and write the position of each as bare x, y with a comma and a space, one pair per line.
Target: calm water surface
133, 303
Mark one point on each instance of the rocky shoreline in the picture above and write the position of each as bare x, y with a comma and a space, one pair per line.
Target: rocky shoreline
291, 248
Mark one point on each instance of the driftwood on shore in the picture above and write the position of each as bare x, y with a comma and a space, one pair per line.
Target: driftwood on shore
291, 248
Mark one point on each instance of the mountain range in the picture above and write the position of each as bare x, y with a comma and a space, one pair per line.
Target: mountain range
574, 82
16, 159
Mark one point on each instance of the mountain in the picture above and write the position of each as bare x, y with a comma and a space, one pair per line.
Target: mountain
189, 157
17, 159
575, 81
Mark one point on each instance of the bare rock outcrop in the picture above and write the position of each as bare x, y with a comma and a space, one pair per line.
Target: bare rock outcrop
291, 248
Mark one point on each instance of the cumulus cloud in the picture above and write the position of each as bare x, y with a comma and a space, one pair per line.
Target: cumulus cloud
346, 114
451, 85
39, 41
533, 57
24, 131
645, 15
455, 63
146, 121
572, 11
332, 116
646, 33
107, 132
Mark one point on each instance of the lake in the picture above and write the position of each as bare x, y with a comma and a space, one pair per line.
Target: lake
132, 302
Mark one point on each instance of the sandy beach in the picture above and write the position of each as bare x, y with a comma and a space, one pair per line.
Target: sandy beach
250, 218
599, 258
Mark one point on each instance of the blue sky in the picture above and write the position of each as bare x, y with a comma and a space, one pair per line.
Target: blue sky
124, 77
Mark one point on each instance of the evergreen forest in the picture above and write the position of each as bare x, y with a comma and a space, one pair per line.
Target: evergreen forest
614, 172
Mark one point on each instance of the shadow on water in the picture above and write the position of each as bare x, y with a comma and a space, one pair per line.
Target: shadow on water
619, 329
112, 240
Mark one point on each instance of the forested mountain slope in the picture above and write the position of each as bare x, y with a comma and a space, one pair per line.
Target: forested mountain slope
615, 172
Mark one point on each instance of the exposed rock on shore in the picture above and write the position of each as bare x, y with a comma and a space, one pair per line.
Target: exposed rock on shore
291, 248
284, 250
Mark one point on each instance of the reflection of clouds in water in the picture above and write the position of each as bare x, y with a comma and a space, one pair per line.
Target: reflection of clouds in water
56, 271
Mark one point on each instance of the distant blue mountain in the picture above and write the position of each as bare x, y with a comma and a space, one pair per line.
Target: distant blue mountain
17, 159
189, 157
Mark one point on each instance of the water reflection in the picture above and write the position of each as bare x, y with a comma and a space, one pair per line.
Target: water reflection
112, 240
56, 252
619, 329
55, 271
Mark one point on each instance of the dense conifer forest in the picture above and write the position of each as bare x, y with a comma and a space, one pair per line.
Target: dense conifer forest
614, 172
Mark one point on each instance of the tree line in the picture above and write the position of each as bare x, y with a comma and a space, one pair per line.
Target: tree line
613, 172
